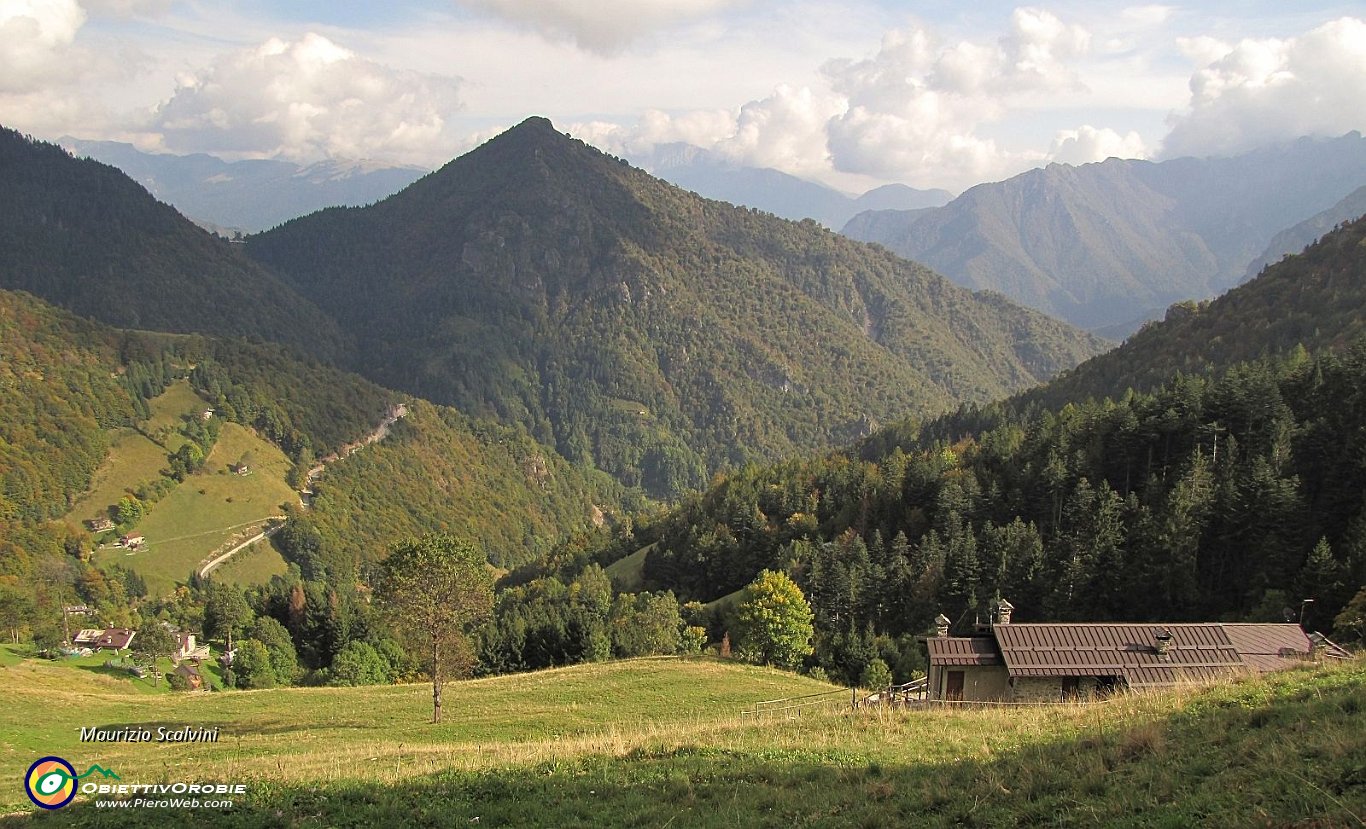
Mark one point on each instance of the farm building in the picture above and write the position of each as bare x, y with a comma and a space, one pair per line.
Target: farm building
1034, 662
188, 648
194, 680
98, 639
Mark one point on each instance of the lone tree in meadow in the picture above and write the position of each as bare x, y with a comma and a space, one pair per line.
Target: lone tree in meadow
773, 621
434, 589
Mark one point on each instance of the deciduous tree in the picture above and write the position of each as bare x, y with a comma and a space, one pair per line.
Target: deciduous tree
773, 621
435, 588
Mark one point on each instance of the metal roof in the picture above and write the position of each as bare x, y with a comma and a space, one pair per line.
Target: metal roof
1196, 653
963, 650
1269, 647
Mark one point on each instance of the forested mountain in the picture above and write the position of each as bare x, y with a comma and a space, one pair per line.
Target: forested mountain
1297, 238
65, 381
1228, 499
439, 471
776, 192
1106, 243
628, 322
250, 195
84, 236
1228, 486
1314, 299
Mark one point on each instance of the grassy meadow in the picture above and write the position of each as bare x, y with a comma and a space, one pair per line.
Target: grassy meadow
628, 574
254, 565
208, 512
133, 460
656, 742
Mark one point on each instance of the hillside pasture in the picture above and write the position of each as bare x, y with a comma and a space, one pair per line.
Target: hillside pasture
209, 511
656, 742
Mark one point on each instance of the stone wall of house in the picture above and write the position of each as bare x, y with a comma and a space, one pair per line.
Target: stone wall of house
1049, 688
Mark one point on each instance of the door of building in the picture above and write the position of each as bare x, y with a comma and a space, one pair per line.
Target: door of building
954, 688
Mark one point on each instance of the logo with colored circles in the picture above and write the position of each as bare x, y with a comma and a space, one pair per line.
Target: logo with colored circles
51, 782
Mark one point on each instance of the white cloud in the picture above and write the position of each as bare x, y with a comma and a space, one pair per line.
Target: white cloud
1263, 91
603, 26
785, 130
915, 108
307, 99
1086, 144
36, 43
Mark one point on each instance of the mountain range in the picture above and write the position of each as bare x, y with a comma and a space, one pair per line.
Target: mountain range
1311, 300
83, 235
790, 197
1113, 243
628, 322
251, 195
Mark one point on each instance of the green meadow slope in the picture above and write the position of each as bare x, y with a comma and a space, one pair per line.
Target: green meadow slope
656, 742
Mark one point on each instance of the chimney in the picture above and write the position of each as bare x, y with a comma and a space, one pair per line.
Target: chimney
1003, 611
941, 625
1163, 642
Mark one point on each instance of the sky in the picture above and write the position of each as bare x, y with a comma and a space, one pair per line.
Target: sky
853, 93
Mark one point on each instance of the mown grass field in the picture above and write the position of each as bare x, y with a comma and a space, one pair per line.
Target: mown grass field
203, 514
628, 574
254, 565
133, 460
208, 510
663, 742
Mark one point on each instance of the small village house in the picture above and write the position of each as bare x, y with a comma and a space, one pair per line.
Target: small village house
194, 680
132, 541
115, 639
187, 648
1050, 662
100, 525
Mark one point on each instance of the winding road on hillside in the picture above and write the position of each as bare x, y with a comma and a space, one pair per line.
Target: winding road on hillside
380, 432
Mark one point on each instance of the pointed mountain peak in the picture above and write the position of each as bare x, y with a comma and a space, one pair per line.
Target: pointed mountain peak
537, 123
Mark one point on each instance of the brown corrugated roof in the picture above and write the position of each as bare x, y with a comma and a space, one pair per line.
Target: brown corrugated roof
1197, 652
963, 650
1269, 647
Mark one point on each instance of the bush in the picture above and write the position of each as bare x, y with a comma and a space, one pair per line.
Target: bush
876, 677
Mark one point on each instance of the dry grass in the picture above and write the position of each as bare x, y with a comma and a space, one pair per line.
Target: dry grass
652, 741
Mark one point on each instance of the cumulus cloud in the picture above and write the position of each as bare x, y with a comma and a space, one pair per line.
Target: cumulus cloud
36, 43
603, 26
785, 130
914, 109
1262, 91
307, 99
1086, 144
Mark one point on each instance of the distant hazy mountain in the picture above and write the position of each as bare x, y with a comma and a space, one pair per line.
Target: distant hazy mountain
1297, 238
1107, 243
248, 196
85, 236
781, 194
628, 322
1313, 299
